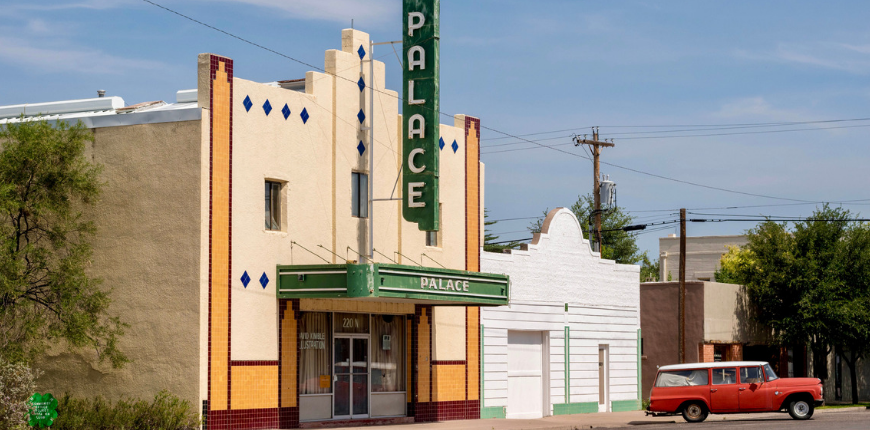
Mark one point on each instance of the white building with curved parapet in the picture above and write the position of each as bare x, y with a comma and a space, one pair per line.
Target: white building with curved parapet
569, 342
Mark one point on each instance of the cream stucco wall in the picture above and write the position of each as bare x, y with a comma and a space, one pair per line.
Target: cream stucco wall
728, 316
147, 250
315, 161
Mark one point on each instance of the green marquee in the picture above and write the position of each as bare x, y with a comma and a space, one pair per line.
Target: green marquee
424, 285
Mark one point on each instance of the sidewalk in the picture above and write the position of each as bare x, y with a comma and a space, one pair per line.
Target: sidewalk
584, 421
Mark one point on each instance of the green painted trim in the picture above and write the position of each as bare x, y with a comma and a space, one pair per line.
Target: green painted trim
481, 370
639, 387
421, 284
493, 412
575, 408
567, 364
624, 405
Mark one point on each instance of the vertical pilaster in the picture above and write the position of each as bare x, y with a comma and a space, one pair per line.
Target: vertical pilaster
217, 73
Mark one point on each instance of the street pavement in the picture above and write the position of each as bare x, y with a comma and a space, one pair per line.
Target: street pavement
845, 418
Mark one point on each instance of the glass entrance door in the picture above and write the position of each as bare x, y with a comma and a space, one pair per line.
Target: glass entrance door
351, 370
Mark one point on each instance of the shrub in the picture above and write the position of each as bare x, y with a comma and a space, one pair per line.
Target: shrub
166, 412
17, 384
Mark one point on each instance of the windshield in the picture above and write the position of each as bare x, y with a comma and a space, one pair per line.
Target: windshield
771, 375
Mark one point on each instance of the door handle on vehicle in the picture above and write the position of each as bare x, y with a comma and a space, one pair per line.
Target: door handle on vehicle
713, 390
742, 388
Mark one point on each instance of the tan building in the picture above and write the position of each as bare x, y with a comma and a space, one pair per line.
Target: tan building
702, 256
234, 231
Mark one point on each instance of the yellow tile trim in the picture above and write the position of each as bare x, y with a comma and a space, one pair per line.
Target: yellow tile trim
220, 207
255, 387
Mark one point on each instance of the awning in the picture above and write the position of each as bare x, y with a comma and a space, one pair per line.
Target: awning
424, 285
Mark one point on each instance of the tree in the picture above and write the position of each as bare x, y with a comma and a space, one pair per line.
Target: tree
851, 329
649, 271
809, 285
489, 239
730, 265
616, 244
46, 294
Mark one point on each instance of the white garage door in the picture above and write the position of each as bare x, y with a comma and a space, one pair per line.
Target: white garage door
525, 374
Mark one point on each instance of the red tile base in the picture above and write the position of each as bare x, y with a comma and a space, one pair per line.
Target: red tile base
447, 411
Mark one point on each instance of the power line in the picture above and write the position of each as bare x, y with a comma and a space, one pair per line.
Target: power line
664, 137
442, 113
843, 202
698, 127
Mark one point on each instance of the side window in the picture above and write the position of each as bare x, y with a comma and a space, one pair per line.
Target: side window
359, 191
751, 375
682, 378
725, 376
431, 238
273, 205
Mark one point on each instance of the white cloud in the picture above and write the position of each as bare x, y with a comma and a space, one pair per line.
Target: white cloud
78, 60
365, 12
85, 4
836, 56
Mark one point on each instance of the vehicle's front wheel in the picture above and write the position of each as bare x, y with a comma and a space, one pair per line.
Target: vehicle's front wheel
800, 409
694, 412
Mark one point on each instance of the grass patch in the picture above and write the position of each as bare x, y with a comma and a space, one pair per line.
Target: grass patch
847, 405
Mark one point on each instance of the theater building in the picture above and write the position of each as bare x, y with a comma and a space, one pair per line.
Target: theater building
260, 254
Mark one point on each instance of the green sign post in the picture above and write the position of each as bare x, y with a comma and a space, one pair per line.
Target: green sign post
420, 41
43, 410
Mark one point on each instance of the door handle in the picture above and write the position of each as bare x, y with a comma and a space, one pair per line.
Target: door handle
742, 388
713, 390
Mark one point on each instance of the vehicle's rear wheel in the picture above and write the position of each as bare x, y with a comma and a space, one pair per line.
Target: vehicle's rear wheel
694, 412
800, 409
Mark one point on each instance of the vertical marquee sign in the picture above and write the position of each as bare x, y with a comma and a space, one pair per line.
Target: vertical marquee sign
420, 41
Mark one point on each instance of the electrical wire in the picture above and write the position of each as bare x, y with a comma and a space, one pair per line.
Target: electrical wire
482, 127
699, 127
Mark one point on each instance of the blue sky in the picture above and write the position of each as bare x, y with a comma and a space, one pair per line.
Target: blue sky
528, 67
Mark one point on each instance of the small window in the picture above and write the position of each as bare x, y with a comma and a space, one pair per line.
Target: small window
432, 238
359, 190
273, 205
769, 373
682, 378
751, 375
724, 376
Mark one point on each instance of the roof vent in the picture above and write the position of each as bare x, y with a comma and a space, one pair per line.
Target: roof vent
101, 93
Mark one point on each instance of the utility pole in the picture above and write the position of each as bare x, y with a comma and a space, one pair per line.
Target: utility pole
682, 285
595, 145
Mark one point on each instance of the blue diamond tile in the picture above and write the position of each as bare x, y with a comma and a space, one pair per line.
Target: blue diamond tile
361, 148
245, 279
264, 280
361, 83
286, 111
248, 103
361, 52
441, 143
304, 115
361, 116
267, 107
455, 146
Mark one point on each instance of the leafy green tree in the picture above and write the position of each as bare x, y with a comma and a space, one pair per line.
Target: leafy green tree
851, 328
649, 271
801, 284
731, 263
46, 294
616, 244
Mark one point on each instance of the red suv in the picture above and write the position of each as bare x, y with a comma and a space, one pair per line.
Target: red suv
699, 389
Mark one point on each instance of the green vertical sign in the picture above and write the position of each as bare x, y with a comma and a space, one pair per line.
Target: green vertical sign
420, 42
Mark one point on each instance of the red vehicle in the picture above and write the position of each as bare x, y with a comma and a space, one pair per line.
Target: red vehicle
698, 389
